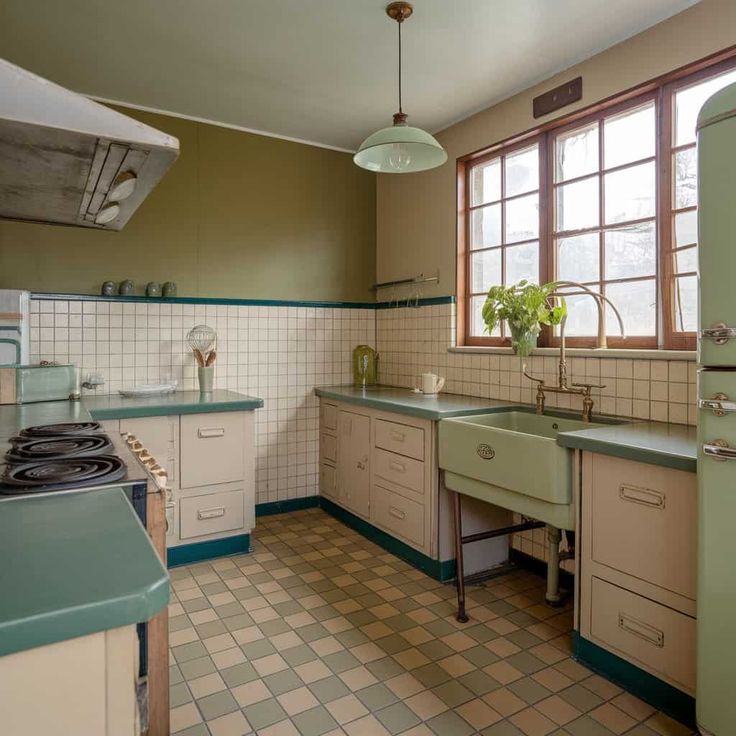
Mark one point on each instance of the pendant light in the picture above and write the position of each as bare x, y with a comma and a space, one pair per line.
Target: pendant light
400, 149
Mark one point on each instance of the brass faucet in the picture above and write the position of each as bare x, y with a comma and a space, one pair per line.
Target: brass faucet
581, 389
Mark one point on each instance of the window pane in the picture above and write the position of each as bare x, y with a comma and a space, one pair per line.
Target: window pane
522, 172
578, 258
522, 218
485, 182
477, 325
629, 137
577, 205
631, 251
686, 303
582, 316
686, 228
685, 169
637, 303
688, 103
630, 193
486, 227
522, 262
486, 269
576, 153
686, 260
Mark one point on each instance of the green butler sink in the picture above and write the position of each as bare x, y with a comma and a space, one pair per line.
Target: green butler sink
512, 460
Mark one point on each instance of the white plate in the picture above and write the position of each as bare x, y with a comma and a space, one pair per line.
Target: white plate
148, 389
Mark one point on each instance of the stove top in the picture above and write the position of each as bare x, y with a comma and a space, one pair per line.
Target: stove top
60, 457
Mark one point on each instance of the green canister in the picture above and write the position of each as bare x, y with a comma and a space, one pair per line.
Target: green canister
365, 366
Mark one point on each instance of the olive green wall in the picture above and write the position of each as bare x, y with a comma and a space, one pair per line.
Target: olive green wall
238, 215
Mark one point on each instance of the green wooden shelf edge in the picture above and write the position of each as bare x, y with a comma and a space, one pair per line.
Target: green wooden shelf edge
650, 689
185, 554
140, 299
74, 564
440, 570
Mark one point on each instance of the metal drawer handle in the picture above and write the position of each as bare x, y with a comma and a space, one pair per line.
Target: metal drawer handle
719, 404
397, 466
719, 450
644, 496
398, 513
643, 631
212, 513
398, 436
206, 432
720, 333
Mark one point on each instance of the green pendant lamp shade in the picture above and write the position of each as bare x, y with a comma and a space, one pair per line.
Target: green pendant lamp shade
400, 149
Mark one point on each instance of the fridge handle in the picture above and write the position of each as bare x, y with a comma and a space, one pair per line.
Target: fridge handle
719, 450
720, 333
719, 404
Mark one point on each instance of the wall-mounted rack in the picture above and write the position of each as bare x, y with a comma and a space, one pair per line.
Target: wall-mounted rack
419, 279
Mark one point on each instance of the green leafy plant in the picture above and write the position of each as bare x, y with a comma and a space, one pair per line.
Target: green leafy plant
525, 306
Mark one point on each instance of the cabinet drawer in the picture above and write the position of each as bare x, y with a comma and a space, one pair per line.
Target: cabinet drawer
328, 447
657, 637
400, 470
328, 416
400, 438
401, 516
212, 448
644, 522
327, 480
211, 513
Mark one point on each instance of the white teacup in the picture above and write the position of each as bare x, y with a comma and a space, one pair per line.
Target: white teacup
430, 383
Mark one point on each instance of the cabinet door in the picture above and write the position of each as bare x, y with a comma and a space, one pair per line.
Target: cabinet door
353, 461
160, 435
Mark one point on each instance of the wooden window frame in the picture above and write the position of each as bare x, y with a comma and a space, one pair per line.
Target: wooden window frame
661, 90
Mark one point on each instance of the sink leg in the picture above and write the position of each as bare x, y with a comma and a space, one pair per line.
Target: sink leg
462, 617
553, 596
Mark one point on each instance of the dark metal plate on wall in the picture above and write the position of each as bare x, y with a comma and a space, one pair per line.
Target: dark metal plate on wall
558, 97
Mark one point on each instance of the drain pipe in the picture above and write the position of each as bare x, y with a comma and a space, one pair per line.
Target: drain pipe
552, 596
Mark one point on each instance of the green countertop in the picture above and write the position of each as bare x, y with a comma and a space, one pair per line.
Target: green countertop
405, 401
74, 564
657, 443
114, 406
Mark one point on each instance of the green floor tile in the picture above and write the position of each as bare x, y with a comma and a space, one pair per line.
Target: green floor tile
586, 726
431, 675
449, 724
314, 722
295, 656
283, 682
397, 718
340, 661
258, 649
239, 674
328, 689
384, 669
186, 652
216, 705
376, 697
179, 694
529, 690
264, 714
453, 693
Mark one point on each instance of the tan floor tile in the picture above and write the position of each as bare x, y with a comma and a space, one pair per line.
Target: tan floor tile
422, 615
232, 724
347, 606
478, 714
297, 701
558, 710
412, 658
384, 610
285, 641
297, 620
552, 679
220, 599
250, 693
503, 672
637, 709
264, 614
459, 641
346, 709
547, 653
202, 686
366, 726
376, 630
605, 688
228, 658
573, 670
312, 671
456, 665
183, 717
269, 665
326, 645
282, 728
502, 626
420, 730
253, 604
666, 726
502, 647
367, 652
357, 678
337, 625
183, 636
247, 635
505, 702
426, 705
532, 722
203, 617
612, 718
405, 685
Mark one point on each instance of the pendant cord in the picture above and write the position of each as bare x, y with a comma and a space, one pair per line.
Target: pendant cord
400, 108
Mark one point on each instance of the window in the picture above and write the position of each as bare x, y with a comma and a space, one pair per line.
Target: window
607, 199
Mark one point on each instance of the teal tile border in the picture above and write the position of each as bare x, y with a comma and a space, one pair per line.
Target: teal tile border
282, 507
442, 571
140, 299
652, 690
185, 554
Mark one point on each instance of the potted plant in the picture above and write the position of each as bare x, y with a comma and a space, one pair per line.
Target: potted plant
525, 307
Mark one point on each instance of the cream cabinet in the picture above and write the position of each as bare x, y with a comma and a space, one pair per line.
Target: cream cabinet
353, 462
638, 561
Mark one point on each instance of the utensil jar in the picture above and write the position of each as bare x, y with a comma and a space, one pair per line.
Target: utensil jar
206, 378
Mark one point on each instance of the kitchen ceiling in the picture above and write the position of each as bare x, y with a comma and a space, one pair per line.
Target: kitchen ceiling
321, 71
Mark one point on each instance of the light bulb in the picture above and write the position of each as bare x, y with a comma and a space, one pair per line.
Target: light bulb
399, 158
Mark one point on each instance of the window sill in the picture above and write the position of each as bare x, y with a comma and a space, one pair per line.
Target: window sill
643, 354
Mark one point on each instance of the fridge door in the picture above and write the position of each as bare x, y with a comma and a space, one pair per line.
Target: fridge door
717, 229
716, 625
14, 327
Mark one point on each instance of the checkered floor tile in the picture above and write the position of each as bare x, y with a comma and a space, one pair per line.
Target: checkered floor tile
319, 632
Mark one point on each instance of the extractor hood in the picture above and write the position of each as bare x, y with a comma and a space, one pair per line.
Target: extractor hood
67, 160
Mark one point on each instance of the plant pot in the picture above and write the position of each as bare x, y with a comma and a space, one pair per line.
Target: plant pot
206, 378
523, 340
